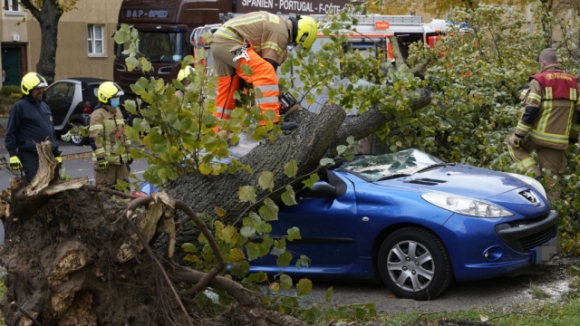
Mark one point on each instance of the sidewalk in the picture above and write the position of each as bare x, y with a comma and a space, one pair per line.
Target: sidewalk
66, 148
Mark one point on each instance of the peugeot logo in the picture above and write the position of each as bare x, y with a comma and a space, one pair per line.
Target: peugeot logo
527, 194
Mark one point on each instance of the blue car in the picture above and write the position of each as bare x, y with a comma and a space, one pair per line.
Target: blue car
417, 223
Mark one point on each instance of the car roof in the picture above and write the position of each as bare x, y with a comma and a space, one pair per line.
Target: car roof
84, 80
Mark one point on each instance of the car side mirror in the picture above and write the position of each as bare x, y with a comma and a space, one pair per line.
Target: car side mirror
321, 189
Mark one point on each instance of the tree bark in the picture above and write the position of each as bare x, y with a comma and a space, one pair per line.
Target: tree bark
48, 18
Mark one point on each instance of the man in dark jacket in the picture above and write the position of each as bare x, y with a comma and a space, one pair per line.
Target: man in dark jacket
29, 123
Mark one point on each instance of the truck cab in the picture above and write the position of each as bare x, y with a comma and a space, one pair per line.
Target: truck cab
163, 28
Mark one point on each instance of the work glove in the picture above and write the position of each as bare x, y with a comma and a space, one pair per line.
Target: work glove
129, 159
515, 140
15, 164
102, 165
58, 160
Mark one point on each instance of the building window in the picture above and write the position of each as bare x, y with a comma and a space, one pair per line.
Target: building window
11, 6
95, 40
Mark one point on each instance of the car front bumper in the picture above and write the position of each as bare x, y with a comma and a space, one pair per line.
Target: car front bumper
482, 248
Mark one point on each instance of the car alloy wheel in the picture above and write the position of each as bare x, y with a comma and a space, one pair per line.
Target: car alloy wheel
77, 138
414, 264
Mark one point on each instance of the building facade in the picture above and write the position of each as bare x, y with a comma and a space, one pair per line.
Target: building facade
85, 45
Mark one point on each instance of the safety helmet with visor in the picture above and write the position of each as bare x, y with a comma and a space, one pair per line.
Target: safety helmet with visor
109, 90
30, 81
305, 29
185, 72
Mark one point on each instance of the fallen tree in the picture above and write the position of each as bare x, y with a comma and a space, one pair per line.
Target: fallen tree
74, 254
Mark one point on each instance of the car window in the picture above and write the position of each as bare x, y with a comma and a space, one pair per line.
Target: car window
380, 166
60, 91
90, 92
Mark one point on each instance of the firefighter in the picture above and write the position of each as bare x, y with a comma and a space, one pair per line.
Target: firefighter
258, 40
549, 122
182, 77
111, 149
29, 123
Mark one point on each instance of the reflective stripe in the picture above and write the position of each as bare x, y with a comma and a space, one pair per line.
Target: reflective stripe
99, 151
271, 99
268, 88
96, 127
120, 121
245, 21
523, 126
274, 19
527, 163
272, 45
553, 138
223, 111
573, 94
576, 127
534, 96
548, 93
229, 34
546, 113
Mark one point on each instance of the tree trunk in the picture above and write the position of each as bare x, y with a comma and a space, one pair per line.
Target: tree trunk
48, 18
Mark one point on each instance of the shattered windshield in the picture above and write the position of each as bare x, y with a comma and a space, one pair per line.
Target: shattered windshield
157, 46
381, 166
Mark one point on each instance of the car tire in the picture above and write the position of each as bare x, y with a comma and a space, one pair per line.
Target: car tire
78, 139
414, 264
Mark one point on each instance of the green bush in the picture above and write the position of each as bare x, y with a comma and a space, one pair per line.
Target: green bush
8, 95
9, 90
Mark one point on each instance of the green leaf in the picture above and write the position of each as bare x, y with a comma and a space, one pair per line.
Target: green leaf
248, 231
230, 234
247, 194
284, 259
285, 281
131, 63
288, 196
293, 233
236, 254
275, 287
269, 211
122, 34
247, 70
291, 168
252, 220
240, 269
326, 161
257, 277
304, 286
265, 245
266, 180
189, 247
252, 250
270, 115
311, 180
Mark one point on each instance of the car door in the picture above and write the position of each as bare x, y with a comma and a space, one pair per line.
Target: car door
328, 225
59, 98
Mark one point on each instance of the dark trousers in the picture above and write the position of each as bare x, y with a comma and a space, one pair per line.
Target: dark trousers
29, 162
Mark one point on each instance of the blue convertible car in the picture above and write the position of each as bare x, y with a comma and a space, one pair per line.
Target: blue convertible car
417, 223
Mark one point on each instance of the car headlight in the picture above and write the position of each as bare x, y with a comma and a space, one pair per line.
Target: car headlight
464, 205
532, 182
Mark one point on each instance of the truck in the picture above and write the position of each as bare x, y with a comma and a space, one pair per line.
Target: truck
164, 28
